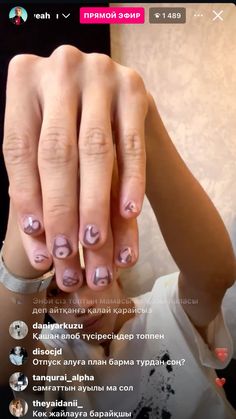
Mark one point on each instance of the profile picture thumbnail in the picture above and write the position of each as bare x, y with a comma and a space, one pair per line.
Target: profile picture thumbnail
18, 15
18, 355
18, 381
18, 408
18, 329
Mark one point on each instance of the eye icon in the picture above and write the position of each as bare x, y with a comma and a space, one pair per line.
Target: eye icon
157, 15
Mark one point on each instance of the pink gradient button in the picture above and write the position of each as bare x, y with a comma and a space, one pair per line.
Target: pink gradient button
112, 15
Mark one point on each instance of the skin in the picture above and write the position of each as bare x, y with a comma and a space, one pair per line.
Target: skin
191, 226
71, 103
17, 350
88, 299
17, 409
18, 11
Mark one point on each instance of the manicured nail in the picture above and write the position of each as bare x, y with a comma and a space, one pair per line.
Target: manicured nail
61, 247
91, 234
39, 258
70, 278
131, 207
125, 255
31, 225
102, 276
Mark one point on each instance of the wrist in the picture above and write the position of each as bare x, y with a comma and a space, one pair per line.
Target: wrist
19, 285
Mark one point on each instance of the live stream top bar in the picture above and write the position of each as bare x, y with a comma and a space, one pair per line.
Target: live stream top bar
98, 2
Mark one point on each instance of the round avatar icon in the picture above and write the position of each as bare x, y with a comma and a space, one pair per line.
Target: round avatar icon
18, 408
18, 355
18, 381
18, 329
18, 15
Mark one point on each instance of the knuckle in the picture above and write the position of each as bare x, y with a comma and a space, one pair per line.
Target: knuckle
55, 146
101, 63
133, 144
66, 56
95, 142
137, 175
16, 149
132, 81
19, 63
57, 208
134, 157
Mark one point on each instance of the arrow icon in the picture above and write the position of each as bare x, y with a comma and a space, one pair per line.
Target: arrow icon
65, 16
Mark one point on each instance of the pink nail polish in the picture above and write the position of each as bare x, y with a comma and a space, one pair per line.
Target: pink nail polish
71, 278
40, 257
31, 225
102, 276
131, 207
125, 255
61, 247
91, 234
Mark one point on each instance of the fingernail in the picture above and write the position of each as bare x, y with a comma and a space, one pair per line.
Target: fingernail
91, 234
39, 258
131, 207
70, 278
31, 225
61, 247
102, 276
125, 255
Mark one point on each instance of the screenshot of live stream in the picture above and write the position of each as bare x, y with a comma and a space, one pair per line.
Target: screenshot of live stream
118, 225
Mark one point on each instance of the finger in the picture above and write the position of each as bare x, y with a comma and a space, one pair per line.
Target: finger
21, 133
69, 275
99, 264
37, 251
96, 162
58, 162
125, 234
125, 231
130, 120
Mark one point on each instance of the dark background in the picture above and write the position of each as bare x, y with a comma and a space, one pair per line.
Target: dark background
41, 38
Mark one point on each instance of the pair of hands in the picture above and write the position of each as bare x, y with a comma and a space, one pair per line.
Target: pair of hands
74, 148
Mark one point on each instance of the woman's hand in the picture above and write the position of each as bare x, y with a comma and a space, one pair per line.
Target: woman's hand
62, 115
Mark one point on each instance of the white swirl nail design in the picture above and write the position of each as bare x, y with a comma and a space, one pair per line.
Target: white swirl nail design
102, 276
91, 234
125, 255
31, 225
131, 207
70, 278
40, 258
61, 247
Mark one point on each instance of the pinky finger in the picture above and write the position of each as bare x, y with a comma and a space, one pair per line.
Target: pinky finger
37, 252
125, 231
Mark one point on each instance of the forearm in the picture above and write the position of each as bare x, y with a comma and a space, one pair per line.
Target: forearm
190, 224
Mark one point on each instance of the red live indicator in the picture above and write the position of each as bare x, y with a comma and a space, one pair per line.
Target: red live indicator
112, 15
